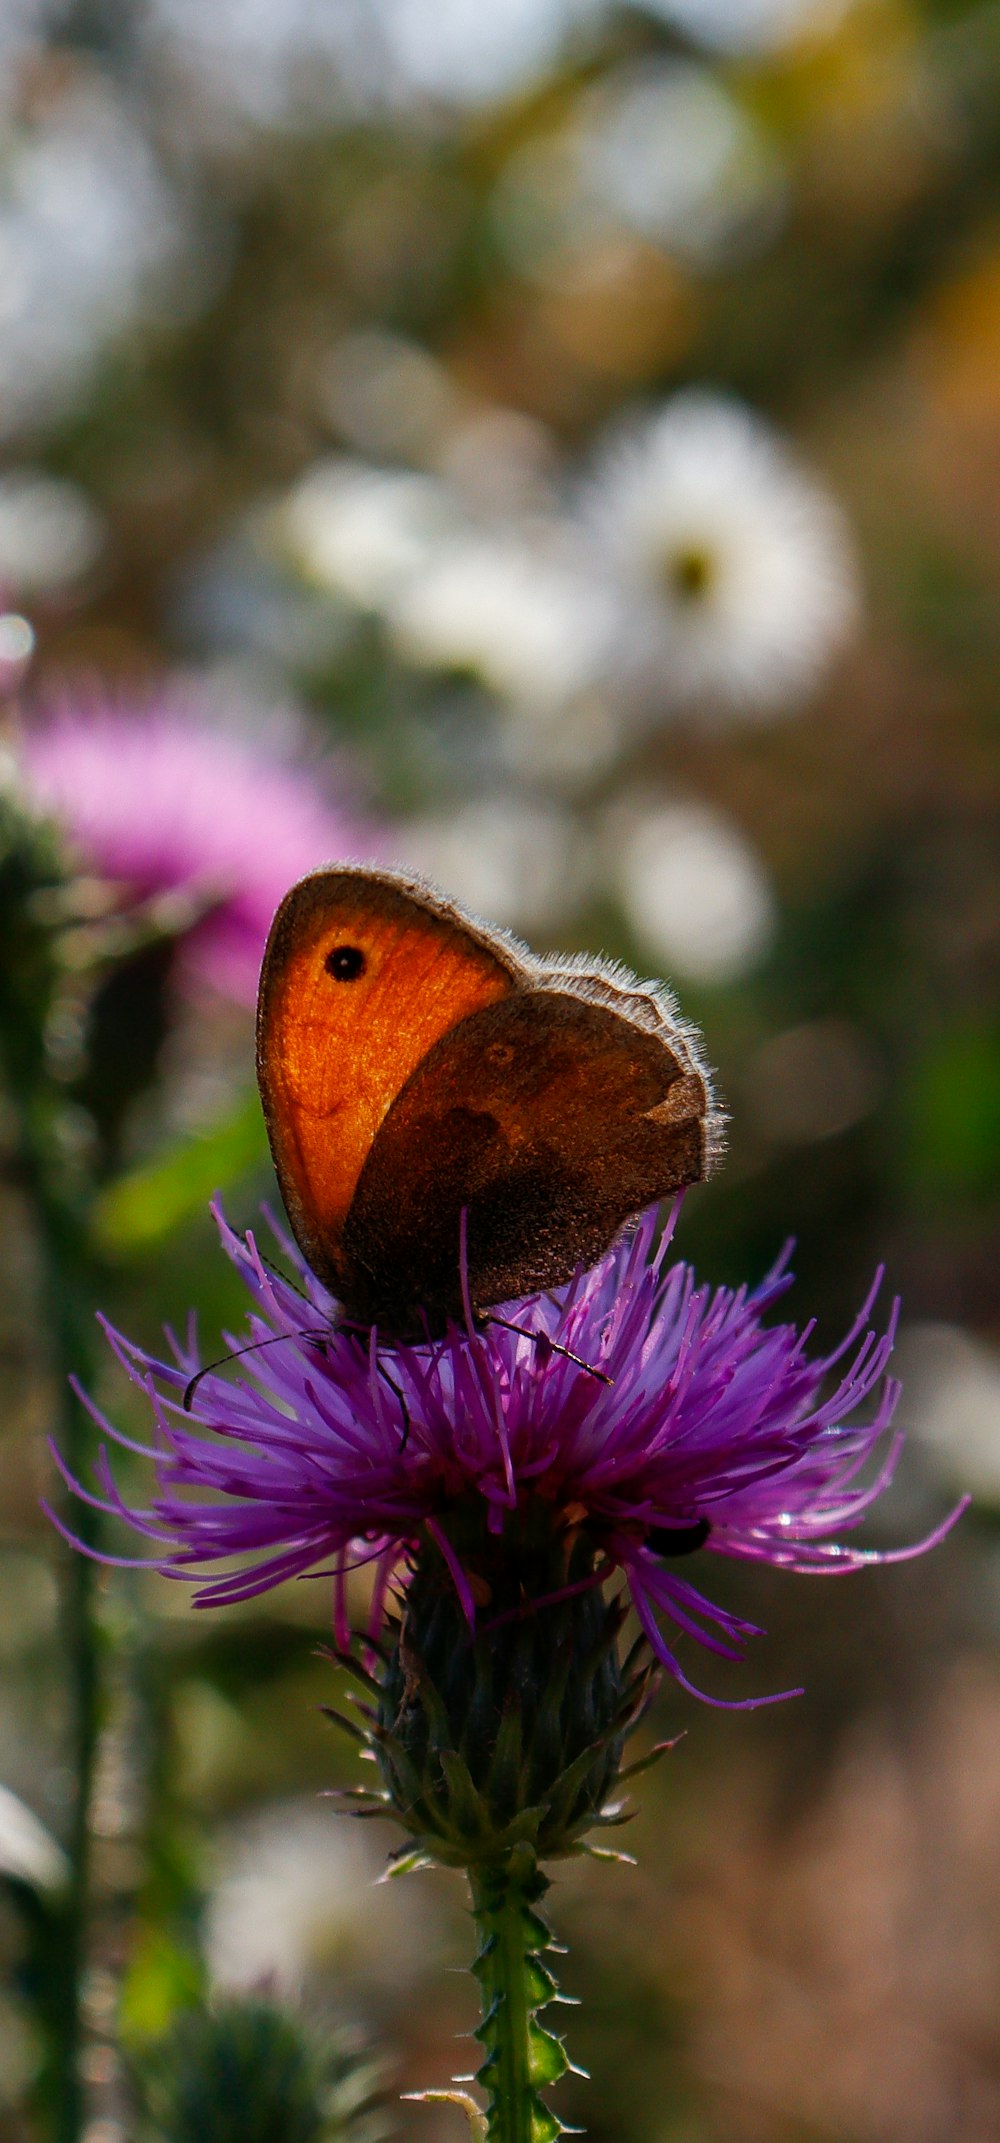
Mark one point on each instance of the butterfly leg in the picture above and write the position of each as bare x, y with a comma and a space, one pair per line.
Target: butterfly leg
542, 1338
283, 1277
394, 1387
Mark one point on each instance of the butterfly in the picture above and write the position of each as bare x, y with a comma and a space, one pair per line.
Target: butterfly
454, 1121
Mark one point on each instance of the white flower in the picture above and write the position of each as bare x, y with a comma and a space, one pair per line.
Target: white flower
262, 63
465, 53
17, 645
951, 1385
658, 147
362, 532
677, 158
87, 229
27, 1850
750, 25
733, 567
529, 622
288, 63
695, 893
515, 859
296, 1891
50, 534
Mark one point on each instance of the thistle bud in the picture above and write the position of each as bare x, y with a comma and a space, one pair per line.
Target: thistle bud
243, 2071
507, 1732
30, 884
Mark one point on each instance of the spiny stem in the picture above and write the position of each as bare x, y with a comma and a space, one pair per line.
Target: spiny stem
57, 1186
515, 1983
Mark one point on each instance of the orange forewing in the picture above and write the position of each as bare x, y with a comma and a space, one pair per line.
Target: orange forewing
331, 1057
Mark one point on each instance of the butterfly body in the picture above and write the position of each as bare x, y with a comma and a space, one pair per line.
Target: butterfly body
454, 1121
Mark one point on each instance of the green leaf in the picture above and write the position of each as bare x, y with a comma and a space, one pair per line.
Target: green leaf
164, 1977
471, 1809
140, 1209
951, 1115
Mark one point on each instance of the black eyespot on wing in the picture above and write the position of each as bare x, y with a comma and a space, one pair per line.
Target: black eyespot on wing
345, 963
678, 1539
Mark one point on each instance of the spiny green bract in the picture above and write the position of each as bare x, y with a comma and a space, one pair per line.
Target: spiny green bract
510, 1734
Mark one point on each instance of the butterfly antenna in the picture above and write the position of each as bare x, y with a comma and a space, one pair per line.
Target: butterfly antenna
283, 1277
254, 1346
542, 1339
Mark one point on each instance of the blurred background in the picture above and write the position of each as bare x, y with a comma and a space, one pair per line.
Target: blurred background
554, 446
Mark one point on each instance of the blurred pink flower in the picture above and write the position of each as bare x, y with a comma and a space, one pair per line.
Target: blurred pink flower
161, 800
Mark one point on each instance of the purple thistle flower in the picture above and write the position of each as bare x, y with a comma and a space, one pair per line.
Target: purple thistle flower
327, 1451
159, 801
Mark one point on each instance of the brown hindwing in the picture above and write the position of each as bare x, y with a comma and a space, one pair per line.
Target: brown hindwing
549, 1120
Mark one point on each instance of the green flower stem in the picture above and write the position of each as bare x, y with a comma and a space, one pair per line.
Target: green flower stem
69, 1319
515, 1983
36, 912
